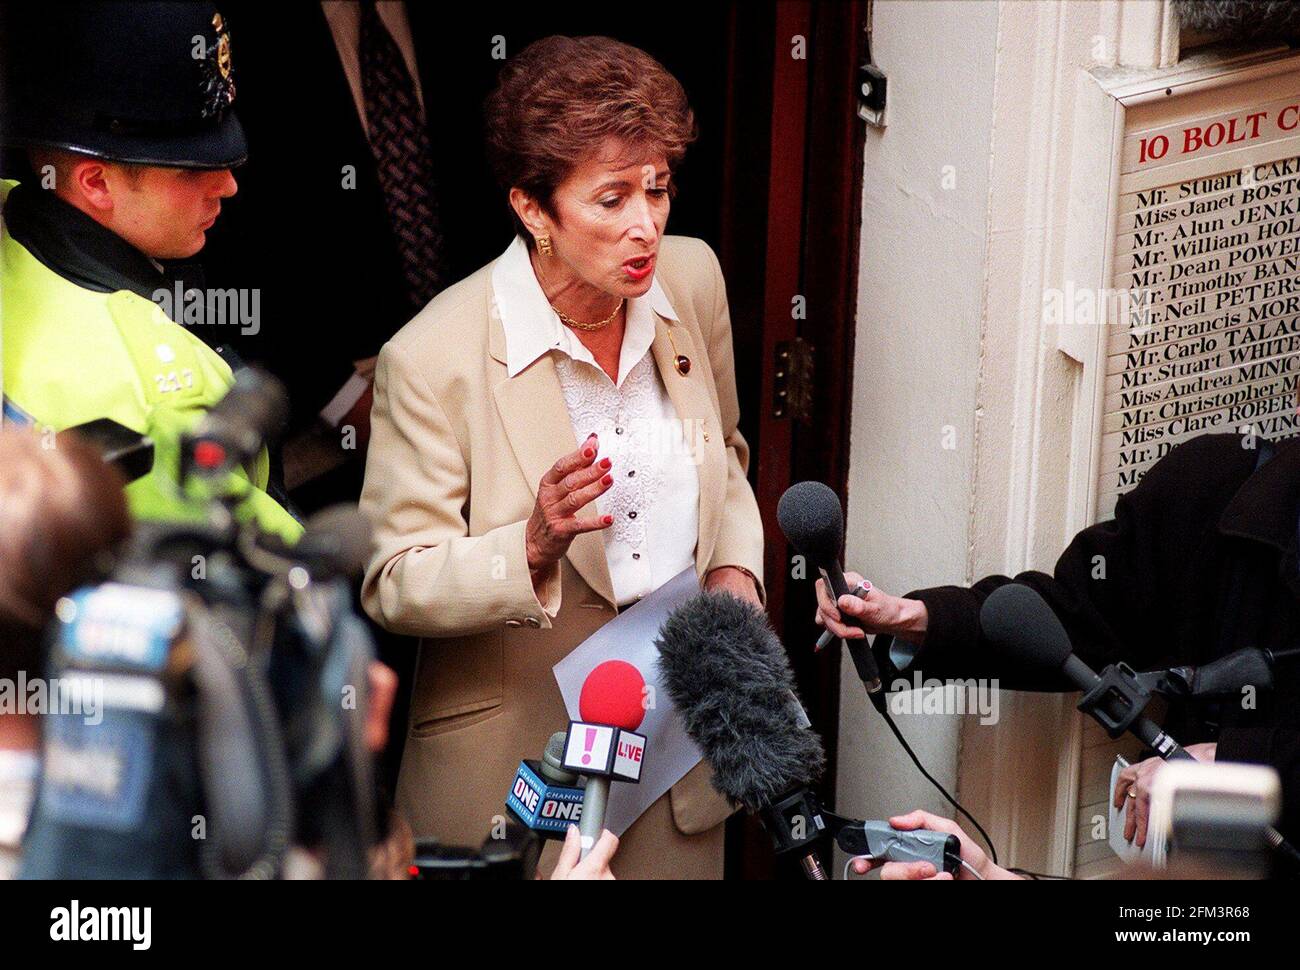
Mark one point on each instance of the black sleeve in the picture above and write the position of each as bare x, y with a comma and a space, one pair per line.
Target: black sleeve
1278, 747
1115, 586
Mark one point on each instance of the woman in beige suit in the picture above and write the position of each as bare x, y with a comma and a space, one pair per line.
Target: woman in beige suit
554, 437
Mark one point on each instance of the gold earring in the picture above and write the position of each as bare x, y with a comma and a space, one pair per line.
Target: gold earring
544, 246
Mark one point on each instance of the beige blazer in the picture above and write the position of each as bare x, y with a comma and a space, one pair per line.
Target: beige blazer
456, 453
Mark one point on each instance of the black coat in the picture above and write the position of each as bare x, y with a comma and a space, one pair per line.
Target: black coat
1203, 521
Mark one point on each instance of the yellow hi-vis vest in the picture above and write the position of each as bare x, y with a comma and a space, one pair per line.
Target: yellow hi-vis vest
72, 355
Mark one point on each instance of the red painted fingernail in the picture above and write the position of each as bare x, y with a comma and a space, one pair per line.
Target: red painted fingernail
609, 520
588, 453
607, 480
605, 463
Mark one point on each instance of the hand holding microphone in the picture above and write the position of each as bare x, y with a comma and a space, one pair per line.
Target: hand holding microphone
975, 863
809, 514
604, 745
595, 865
869, 610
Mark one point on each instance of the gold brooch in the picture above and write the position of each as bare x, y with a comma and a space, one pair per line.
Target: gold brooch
680, 361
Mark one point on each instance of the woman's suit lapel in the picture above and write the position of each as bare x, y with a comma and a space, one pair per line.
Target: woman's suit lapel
536, 422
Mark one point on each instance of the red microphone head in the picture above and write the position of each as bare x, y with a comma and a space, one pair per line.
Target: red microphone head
612, 694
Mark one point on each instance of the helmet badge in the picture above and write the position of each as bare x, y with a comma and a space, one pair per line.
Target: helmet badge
219, 82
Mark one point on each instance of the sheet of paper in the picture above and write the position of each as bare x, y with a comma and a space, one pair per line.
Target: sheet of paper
630, 637
348, 395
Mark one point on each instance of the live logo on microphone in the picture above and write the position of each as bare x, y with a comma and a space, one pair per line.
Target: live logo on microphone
604, 751
629, 756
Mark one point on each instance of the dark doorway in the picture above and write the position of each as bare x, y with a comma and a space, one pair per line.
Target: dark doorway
773, 184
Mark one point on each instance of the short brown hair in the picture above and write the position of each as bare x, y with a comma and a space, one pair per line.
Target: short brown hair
560, 98
61, 508
61, 162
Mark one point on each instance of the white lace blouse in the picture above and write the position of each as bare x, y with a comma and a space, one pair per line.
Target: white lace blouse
655, 496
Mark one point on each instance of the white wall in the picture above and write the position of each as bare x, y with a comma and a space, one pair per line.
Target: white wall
917, 358
950, 336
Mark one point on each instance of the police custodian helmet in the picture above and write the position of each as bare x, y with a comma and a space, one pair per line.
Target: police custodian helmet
148, 83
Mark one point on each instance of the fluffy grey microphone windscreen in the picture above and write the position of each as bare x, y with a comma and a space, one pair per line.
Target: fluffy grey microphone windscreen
727, 674
1241, 19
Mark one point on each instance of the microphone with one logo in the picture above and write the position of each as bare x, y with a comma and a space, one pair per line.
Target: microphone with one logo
809, 514
1021, 624
604, 745
545, 796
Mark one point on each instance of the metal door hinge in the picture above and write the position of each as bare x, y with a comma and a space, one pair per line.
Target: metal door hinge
871, 94
792, 388
871, 79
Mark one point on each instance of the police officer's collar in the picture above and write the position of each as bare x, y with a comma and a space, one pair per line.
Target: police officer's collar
1264, 508
75, 246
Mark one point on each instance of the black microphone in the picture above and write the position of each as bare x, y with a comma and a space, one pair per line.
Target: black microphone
1024, 628
727, 674
335, 543
1021, 624
129, 451
809, 514
254, 412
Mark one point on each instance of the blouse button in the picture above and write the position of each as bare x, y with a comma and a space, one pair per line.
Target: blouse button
636, 555
632, 473
618, 431
632, 514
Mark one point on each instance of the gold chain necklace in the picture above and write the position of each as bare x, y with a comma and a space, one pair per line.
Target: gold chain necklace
578, 324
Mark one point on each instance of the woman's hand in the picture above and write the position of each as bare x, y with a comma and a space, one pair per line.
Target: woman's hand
734, 581
1137, 779
971, 853
595, 866
572, 482
382, 690
876, 610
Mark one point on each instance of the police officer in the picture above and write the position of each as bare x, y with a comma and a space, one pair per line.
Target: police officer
124, 111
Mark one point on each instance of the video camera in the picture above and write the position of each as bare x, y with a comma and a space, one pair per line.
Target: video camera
212, 691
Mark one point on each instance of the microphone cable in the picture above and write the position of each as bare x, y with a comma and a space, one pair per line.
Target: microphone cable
880, 702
